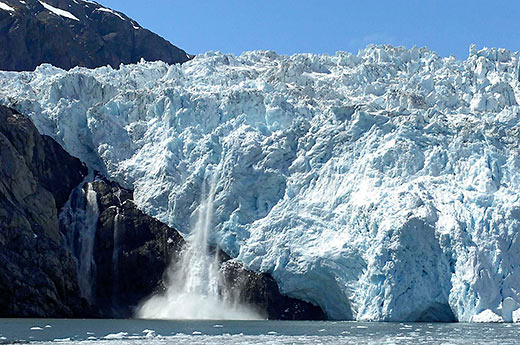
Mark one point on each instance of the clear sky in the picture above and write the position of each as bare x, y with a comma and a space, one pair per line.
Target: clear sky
285, 26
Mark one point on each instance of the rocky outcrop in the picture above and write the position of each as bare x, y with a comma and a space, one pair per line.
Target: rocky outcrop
37, 275
132, 251
68, 33
261, 291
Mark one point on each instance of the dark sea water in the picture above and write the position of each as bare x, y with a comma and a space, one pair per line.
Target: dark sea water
52, 331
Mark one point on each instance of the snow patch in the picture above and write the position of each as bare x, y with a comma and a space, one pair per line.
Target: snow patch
6, 7
59, 12
103, 9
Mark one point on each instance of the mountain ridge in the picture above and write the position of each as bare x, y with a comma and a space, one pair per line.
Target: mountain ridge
70, 33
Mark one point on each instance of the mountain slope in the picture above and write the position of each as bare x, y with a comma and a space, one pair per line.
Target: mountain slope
69, 33
380, 186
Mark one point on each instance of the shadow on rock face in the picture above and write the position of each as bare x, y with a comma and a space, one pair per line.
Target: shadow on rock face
437, 312
37, 276
261, 291
131, 251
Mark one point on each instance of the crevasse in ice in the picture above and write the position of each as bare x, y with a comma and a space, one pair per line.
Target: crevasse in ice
381, 186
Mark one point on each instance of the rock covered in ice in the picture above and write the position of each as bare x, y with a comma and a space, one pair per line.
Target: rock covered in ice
381, 186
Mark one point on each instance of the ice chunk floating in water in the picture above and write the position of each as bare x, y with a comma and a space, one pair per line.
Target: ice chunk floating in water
193, 290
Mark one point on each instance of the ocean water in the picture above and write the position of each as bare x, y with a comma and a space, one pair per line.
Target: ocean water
52, 331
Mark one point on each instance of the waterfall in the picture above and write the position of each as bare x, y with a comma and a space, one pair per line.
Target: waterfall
192, 290
115, 260
78, 218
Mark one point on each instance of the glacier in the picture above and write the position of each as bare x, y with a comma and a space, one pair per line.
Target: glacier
381, 186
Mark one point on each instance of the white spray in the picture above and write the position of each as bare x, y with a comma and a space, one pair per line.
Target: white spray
193, 282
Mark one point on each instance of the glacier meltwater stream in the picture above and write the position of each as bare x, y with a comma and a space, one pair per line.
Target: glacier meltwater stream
193, 289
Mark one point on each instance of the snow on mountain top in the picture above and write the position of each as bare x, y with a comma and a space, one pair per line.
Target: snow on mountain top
381, 186
6, 7
103, 9
58, 11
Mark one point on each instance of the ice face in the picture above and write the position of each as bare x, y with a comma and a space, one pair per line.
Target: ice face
381, 186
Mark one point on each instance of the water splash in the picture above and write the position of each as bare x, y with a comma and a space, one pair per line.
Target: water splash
193, 289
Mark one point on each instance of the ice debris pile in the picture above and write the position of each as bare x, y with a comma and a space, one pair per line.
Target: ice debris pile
381, 186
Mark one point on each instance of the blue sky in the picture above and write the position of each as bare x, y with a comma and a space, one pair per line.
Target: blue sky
232, 26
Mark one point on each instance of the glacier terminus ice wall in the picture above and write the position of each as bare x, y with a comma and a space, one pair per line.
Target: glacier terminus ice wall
381, 186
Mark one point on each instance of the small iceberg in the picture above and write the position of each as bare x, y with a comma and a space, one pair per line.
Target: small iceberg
119, 335
487, 316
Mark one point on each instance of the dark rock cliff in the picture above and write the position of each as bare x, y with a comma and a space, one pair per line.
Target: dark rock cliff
132, 251
37, 275
91, 36
261, 291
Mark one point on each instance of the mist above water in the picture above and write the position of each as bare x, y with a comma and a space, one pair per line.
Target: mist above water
193, 284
